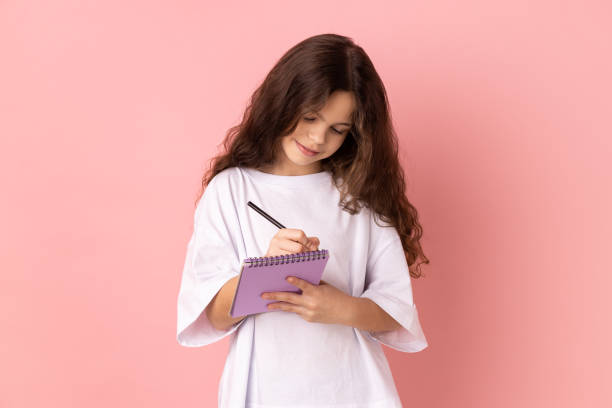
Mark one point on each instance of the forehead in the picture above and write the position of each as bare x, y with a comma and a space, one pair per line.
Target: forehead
338, 108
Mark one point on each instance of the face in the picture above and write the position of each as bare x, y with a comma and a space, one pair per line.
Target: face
317, 136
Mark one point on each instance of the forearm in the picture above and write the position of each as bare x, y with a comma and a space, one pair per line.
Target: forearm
218, 310
363, 313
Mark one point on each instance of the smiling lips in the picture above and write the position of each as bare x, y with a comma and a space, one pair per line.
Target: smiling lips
306, 150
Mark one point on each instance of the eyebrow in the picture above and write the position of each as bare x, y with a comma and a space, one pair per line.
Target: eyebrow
343, 123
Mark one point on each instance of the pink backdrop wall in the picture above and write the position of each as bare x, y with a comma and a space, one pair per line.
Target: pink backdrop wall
109, 111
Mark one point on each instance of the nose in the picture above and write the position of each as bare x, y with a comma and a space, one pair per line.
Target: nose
317, 135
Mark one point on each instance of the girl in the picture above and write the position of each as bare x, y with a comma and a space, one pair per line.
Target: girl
317, 151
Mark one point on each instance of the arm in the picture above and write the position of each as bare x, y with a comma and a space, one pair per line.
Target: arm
365, 314
218, 311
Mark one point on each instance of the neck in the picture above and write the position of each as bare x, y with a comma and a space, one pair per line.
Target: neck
291, 169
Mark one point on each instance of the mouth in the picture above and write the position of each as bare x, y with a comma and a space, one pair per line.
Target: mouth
305, 150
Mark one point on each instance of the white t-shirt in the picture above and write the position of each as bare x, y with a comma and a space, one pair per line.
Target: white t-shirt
276, 358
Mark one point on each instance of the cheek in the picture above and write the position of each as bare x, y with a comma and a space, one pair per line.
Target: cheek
287, 142
338, 142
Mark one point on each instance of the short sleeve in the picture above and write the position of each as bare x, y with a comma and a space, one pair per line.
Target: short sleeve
388, 284
212, 259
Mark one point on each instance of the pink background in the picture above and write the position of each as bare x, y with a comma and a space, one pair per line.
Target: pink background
109, 111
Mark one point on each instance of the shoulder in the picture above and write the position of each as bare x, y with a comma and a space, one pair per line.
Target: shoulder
218, 191
376, 220
223, 181
381, 230
383, 237
226, 176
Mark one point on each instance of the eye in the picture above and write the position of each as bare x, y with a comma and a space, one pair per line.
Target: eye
313, 119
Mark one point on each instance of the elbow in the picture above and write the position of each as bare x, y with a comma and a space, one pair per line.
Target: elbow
395, 325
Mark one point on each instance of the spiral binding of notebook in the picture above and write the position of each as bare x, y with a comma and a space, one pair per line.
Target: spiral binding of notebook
254, 262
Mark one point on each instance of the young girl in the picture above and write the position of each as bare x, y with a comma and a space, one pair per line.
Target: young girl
317, 151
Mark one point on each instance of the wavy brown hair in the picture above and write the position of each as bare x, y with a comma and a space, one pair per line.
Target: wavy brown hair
366, 167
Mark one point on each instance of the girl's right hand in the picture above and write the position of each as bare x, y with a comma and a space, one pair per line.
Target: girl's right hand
291, 241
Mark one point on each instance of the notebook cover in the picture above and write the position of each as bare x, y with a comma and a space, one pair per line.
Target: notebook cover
267, 274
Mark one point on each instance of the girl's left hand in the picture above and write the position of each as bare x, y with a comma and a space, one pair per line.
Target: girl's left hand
321, 303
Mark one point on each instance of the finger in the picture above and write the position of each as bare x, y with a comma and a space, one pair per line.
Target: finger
287, 307
290, 246
300, 283
294, 234
289, 297
313, 243
278, 252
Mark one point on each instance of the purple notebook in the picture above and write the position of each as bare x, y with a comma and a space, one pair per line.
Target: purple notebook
267, 274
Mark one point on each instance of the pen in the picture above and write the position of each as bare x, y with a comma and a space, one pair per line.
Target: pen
266, 216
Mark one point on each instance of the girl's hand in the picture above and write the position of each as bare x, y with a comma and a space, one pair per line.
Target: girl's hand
291, 241
321, 303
